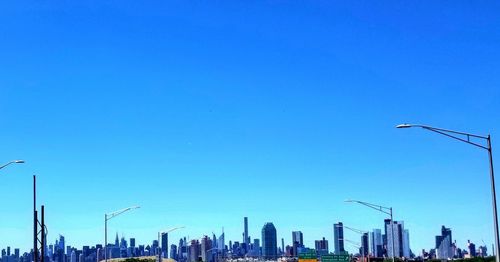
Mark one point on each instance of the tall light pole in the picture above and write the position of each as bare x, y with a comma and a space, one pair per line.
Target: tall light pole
362, 233
160, 234
466, 138
12, 162
385, 210
108, 217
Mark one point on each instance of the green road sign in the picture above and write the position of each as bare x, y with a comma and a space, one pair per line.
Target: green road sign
308, 255
334, 258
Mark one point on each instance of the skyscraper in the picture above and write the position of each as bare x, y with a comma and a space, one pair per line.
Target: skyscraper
245, 233
298, 238
406, 243
364, 244
297, 242
398, 229
443, 244
321, 246
338, 236
376, 243
164, 245
269, 241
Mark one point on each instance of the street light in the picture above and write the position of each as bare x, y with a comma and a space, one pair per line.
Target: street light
362, 233
108, 217
161, 233
466, 138
12, 162
385, 210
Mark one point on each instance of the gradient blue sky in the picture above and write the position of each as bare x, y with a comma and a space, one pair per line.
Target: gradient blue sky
203, 112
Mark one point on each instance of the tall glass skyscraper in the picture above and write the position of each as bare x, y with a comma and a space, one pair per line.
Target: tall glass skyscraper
269, 241
338, 238
376, 243
443, 244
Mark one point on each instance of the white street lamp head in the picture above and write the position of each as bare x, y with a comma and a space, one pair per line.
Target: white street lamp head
404, 126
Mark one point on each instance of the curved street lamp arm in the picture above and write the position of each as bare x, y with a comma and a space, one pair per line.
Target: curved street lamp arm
119, 212
451, 134
373, 206
445, 132
6, 164
359, 231
12, 162
351, 242
163, 232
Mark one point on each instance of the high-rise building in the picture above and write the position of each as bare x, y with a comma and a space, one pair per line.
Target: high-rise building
194, 251
164, 245
245, 233
398, 229
444, 244
282, 245
376, 243
256, 247
206, 246
471, 248
338, 238
298, 238
61, 244
173, 252
269, 241
297, 242
364, 250
406, 243
321, 246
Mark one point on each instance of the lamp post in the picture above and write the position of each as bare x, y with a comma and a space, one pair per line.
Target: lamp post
385, 210
466, 138
160, 234
362, 233
12, 162
108, 217
356, 244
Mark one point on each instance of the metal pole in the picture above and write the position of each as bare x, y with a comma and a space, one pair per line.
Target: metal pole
392, 232
42, 258
494, 197
106, 237
35, 245
159, 248
35, 217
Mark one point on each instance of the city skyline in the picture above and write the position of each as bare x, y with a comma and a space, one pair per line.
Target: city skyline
204, 113
445, 246
297, 245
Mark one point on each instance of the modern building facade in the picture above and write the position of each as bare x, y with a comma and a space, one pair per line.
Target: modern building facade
338, 238
269, 241
376, 243
321, 246
444, 244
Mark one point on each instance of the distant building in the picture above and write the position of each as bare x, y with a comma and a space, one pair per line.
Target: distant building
471, 248
444, 244
399, 241
173, 252
376, 243
483, 251
321, 246
364, 250
164, 245
338, 238
246, 240
406, 243
269, 241
297, 242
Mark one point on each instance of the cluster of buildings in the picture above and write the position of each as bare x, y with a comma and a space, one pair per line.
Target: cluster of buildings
393, 240
446, 248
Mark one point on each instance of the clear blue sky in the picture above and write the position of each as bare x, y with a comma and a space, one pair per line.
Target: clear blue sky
204, 112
